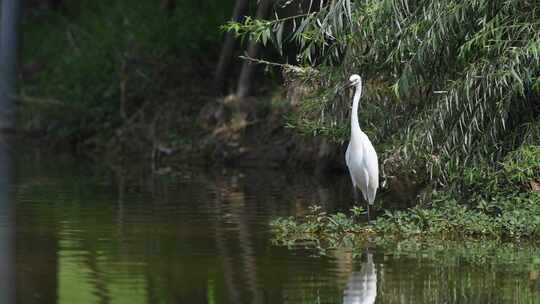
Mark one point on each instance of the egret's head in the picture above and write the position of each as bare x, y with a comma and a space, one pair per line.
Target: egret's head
355, 80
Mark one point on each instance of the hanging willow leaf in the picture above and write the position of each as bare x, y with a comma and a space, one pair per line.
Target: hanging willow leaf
483, 54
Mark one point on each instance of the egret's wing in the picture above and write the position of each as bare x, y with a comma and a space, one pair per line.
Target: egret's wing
371, 165
347, 155
365, 183
349, 163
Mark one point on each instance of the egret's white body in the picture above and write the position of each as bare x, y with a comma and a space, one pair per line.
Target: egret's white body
361, 157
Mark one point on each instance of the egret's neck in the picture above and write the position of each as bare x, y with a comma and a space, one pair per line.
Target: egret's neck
355, 126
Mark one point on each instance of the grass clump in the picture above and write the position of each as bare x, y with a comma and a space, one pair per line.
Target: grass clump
320, 230
512, 220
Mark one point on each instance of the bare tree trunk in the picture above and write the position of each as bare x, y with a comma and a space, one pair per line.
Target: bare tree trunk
228, 47
168, 5
9, 42
245, 81
56, 4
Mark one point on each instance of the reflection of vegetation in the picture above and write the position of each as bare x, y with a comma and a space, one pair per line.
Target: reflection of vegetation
83, 281
429, 270
176, 239
158, 244
462, 273
521, 257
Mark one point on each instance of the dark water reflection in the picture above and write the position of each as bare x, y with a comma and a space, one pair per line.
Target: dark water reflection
7, 223
87, 235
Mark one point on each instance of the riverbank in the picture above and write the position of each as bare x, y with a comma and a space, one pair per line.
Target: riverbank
140, 93
147, 92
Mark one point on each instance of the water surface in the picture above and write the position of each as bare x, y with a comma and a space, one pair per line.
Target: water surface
89, 233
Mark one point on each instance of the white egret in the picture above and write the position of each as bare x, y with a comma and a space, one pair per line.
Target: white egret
361, 157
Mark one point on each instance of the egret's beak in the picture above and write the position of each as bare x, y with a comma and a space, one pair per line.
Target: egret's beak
346, 84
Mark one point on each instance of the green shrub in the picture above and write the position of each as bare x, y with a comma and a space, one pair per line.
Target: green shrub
91, 50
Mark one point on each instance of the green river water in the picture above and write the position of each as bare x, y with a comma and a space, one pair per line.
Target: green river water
90, 233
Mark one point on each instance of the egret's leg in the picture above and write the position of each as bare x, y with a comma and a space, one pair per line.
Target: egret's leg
355, 194
368, 219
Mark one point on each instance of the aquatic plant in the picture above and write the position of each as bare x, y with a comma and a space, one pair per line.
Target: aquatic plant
446, 220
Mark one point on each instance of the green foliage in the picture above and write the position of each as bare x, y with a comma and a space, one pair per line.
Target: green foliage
514, 218
510, 219
522, 166
319, 229
257, 30
452, 83
93, 50
494, 203
321, 33
518, 174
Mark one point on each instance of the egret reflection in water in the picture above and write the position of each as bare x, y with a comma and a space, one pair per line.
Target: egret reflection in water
361, 286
